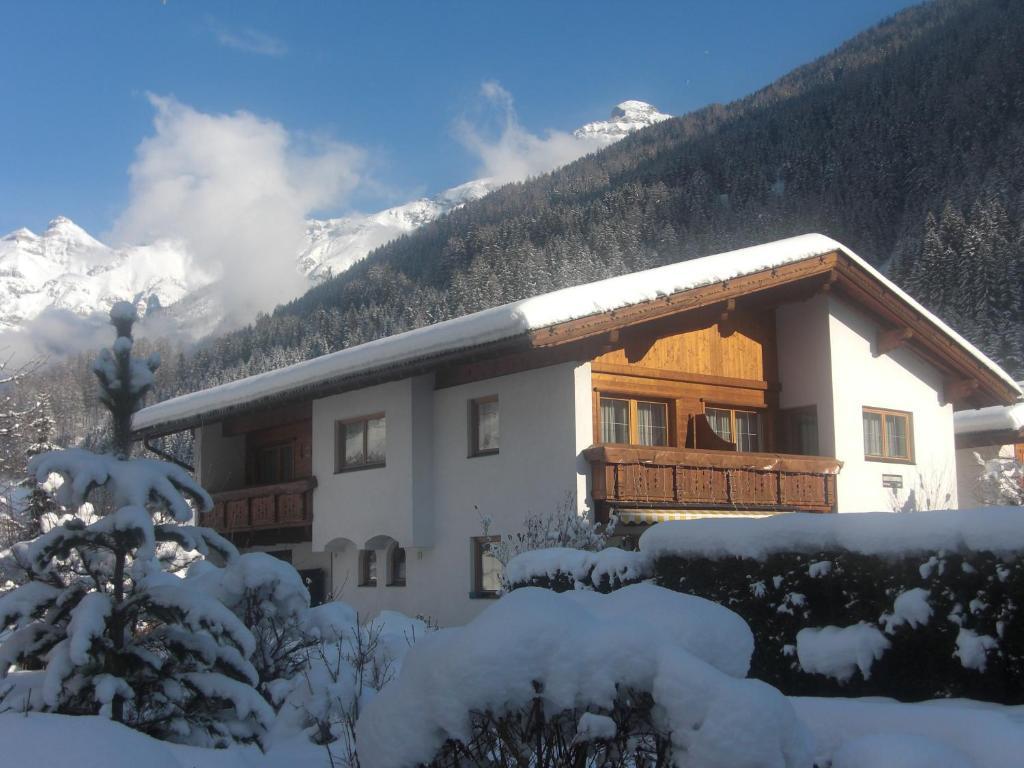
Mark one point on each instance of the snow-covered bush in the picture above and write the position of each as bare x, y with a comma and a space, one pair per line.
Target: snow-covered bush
103, 625
347, 665
564, 527
562, 568
641, 676
911, 606
1001, 481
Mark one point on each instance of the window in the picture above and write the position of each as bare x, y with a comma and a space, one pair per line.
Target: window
614, 420
396, 568
361, 443
799, 430
368, 568
483, 426
740, 427
633, 422
486, 568
275, 464
888, 435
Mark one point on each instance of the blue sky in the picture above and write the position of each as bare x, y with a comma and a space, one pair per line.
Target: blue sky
390, 81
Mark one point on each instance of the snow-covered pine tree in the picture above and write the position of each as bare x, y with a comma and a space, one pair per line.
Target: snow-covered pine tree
39, 503
108, 629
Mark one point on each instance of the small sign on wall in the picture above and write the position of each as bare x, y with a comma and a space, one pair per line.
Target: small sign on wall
892, 481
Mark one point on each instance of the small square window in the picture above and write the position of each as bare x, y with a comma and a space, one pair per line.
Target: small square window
361, 443
484, 426
888, 435
368, 568
487, 569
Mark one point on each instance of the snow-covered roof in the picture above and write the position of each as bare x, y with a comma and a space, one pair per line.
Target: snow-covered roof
995, 418
517, 320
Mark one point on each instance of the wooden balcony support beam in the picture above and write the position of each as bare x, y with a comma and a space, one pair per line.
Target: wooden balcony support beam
959, 389
892, 339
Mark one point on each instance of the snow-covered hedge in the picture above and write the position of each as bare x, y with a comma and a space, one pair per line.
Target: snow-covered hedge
911, 606
633, 677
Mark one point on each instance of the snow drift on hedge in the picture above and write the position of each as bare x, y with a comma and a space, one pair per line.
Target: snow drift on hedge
583, 567
868, 733
579, 647
994, 529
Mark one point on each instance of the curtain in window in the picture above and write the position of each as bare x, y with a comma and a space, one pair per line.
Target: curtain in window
896, 435
719, 420
652, 423
872, 434
614, 420
807, 433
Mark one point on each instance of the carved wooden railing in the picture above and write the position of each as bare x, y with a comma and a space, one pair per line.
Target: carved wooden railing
691, 477
260, 507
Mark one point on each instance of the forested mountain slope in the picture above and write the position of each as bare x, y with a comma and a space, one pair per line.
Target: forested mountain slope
906, 143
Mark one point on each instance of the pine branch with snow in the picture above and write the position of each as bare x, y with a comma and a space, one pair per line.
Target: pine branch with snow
103, 617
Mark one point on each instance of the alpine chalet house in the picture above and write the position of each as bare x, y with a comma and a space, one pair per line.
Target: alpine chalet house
786, 377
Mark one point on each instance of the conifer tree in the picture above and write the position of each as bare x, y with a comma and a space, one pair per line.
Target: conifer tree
111, 631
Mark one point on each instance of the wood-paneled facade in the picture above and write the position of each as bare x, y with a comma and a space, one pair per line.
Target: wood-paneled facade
726, 362
276, 502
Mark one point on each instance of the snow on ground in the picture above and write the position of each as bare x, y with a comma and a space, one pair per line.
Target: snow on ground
846, 733
995, 529
984, 735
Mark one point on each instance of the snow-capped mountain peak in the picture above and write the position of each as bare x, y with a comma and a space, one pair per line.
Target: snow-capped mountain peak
67, 268
627, 117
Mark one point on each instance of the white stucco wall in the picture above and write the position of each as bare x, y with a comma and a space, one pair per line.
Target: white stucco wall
362, 504
803, 341
545, 423
898, 380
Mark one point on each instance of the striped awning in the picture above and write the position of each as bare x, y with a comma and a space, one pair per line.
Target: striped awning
661, 515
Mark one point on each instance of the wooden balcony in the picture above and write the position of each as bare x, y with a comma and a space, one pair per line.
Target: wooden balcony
264, 509
692, 478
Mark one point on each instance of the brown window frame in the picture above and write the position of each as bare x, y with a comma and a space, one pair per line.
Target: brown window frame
340, 465
365, 580
633, 423
474, 427
884, 457
393, 560
477, 545
733, 410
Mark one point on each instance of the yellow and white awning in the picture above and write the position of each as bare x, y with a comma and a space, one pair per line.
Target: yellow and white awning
632, 516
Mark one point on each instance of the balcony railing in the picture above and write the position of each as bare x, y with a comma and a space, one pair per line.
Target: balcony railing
262, 507
692, 478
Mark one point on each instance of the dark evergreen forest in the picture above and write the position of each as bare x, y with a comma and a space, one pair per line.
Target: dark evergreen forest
906, 144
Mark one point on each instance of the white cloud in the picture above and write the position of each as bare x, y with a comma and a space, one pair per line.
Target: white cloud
515, 154
236, 189
251, 41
